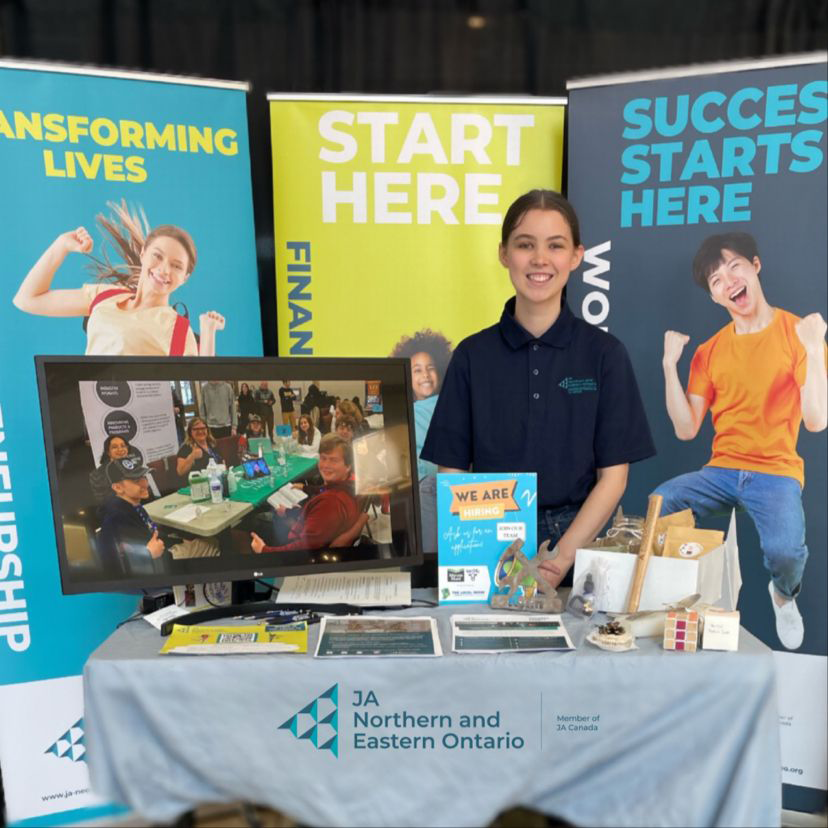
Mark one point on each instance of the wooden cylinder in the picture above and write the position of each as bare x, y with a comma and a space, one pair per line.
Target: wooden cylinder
645, 551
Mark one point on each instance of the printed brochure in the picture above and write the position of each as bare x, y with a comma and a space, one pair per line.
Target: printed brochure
478, 517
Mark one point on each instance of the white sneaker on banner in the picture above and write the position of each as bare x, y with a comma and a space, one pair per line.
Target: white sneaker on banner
789, 627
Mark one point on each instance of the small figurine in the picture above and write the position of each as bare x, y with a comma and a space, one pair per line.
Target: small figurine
514, 572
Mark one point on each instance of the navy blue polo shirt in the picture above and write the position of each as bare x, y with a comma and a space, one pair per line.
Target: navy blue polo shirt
561, 405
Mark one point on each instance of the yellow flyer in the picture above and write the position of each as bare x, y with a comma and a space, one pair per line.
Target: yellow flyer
242, 638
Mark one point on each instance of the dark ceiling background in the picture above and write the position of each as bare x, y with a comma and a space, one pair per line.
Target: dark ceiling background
398, 46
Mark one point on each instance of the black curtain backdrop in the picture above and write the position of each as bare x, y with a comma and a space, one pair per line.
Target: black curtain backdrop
397, 46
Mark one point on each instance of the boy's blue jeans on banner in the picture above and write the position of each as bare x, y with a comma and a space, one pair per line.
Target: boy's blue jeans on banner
774, 503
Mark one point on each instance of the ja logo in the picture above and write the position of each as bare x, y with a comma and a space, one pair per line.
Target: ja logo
70, 745
574, 385
318, 721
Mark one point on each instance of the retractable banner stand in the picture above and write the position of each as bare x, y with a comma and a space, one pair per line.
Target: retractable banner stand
117, 188
387, 218
659, 164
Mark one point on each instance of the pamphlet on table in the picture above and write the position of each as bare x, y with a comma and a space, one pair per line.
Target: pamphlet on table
240, 638
478, 517
360, 636
167, 613
501, 633
362, 589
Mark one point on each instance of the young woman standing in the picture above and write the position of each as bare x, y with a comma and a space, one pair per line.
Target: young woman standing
543, 391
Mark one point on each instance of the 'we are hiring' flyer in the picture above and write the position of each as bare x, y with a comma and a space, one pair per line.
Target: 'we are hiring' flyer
478, 517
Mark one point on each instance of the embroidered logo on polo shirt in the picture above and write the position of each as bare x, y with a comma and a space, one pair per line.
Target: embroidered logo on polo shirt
573, 385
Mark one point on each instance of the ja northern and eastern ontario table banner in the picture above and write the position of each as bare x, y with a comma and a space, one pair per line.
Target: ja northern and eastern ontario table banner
91, 164
670, 170
387, 216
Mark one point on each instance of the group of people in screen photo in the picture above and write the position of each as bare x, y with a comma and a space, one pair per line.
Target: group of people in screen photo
316, 470
500, 401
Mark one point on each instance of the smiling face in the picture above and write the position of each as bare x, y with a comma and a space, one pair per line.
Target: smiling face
304, 424
198, 431
117, 448
133, 491
165, 266
424, 379
735, 285
539, 255
332, 466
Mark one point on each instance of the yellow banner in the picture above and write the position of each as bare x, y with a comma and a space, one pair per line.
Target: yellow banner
482, 501
387, 215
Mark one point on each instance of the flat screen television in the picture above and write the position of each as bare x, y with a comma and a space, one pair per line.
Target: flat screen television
147, 457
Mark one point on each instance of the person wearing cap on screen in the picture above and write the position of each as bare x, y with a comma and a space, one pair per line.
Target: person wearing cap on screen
255, 428
129, 538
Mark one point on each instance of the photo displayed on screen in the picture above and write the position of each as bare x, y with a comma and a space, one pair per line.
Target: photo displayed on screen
165, 473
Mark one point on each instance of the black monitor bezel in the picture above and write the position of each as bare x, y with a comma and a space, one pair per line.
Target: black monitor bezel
253, 368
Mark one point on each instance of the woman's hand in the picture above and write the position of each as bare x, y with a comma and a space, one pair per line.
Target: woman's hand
35, 294
211, 321
75, 241
256, 543
208, 324
184, 464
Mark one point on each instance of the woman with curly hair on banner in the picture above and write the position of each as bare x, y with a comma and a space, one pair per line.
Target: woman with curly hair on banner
430, 353
128, 308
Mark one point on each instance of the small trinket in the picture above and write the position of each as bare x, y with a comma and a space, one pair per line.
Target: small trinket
612, 636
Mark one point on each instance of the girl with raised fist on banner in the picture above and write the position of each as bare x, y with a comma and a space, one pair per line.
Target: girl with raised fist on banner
132, 314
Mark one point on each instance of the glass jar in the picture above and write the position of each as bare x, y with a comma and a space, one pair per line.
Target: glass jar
624, 535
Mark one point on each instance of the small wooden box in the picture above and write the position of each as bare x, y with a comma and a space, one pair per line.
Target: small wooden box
681, 631
721, 630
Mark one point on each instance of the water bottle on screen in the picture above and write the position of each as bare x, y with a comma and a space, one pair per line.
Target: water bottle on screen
215, 482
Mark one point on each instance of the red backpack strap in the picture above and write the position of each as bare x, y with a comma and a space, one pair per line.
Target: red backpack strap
107, 294
179, 335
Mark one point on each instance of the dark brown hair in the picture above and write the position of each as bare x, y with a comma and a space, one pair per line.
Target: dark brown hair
305, 438
540, 200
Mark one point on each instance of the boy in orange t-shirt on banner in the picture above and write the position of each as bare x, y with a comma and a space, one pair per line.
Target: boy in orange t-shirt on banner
761, 376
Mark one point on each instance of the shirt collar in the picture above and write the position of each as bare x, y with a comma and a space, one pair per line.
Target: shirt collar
516, 336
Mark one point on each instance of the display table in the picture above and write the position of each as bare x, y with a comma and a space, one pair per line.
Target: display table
256, 492
215, 517
641, 738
